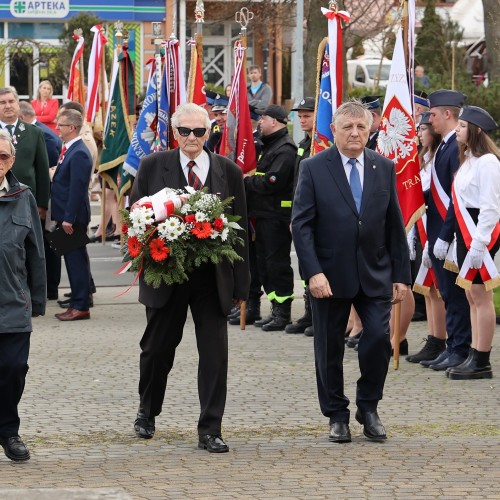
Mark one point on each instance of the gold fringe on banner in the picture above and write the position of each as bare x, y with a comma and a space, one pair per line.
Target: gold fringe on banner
422, 289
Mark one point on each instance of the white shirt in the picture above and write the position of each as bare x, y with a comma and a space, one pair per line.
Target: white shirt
426, 171
477, 183
200, 169
359, 165
4, 187
3, 124
70, 143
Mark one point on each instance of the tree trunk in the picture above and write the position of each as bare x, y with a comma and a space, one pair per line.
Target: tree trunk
492, 36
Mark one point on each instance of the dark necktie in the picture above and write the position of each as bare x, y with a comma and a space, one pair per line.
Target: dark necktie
10, 129
355, 183
193, 179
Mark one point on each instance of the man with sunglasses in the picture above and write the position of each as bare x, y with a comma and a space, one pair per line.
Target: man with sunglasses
210, 291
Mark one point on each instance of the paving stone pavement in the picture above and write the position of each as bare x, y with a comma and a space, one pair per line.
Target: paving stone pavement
81, 398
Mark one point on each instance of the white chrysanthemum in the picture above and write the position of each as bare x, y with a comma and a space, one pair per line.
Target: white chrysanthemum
224, 234
200, 217
131, 232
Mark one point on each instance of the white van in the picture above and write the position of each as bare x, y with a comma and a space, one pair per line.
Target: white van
363, 72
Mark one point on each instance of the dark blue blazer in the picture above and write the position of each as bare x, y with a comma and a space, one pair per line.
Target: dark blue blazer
446, 164
52, 141
367, 250
70, 186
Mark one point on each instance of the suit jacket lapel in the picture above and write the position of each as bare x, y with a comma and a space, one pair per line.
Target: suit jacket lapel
20, 131
218, 184
172, 172
336, 169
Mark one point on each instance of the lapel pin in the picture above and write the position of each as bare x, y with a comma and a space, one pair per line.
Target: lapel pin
374, 167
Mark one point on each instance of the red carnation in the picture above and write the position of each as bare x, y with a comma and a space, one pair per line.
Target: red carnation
202, 230
124, 229
218, 224
158, 250
190, 219
134, 247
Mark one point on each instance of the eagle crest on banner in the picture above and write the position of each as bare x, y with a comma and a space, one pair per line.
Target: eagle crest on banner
395, 139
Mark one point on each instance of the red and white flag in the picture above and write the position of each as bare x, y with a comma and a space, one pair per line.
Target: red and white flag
397, 138
237, 138
95, 61
75, 86
196, 83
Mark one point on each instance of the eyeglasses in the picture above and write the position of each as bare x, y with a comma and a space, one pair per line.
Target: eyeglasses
198, 132
64, 125
5, 156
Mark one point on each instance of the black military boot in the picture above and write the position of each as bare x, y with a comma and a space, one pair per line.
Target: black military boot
252, 312
305, 321
281, 317
309, 331
432, 349
266, 319
234, 313
478, 367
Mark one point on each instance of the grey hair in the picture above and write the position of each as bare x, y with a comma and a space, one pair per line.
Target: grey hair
190, 109
74, 118
26, 109
9, 90
5, 136
354, 109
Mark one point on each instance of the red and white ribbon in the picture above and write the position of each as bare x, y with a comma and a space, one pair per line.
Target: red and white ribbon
488, 271
426, 277
441, 199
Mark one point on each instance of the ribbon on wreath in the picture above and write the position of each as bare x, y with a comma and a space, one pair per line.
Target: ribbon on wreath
488, 270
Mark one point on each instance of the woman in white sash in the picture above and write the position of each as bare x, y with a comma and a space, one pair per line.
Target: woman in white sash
476, 202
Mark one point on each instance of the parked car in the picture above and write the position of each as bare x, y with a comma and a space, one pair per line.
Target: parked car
364, 72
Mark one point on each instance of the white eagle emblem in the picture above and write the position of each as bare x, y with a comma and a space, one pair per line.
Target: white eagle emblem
393, 139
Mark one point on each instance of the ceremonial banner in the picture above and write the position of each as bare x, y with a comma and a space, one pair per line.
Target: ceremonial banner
196, 83
76, 79
397, 138
119, 125
329, 90
145, 133
95, 60
237, 138
173, 93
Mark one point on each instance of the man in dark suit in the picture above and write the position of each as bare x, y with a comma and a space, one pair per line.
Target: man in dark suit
32, 165
444, 108
209, 293
71, 206
350, 240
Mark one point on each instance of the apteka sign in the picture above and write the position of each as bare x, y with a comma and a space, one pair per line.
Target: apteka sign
39, 8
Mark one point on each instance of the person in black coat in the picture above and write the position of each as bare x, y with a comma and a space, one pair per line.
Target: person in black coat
209, 293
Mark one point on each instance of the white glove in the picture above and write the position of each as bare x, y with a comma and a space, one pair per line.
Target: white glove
440, 249
411, 245
426, 260
476, 254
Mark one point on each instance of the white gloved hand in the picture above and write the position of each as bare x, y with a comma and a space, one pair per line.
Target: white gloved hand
440, 249
476, 254
411, 245
426, 260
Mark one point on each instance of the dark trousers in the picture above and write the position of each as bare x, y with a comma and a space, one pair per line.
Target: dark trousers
78, 269
330, 318
14, 351
273, 244
458, 327
53, 268
162, 336
255, 284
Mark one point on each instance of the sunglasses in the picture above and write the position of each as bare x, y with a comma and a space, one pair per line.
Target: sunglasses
5, 156
198, 132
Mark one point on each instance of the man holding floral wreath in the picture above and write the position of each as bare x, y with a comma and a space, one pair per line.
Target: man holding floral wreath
210, 291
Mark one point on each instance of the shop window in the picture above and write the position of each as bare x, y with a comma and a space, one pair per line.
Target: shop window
21, 74
35, 30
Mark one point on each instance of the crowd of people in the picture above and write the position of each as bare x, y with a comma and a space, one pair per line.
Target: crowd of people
340, 210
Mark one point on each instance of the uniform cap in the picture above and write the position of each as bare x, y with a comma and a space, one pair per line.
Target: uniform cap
425, 119
210, 95
478, 116
371, 101
306, 104
420, 97
274, 111
447, 98
220, 103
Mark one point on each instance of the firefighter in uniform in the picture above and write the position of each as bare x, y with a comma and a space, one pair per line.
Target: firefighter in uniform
269, 198
305, 111
373, 104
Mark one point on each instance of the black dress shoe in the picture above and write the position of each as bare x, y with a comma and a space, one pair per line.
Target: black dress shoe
144, 426
67, 294
339, 432
52, 296
454, 359
65, 303
14, 448
435, 361
353, 340
372, 426
213, 444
